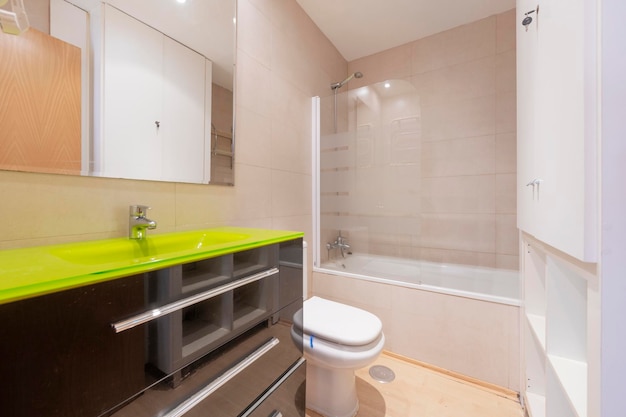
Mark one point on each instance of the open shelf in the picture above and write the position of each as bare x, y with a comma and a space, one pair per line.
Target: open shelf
204, 323
557, 401
254, 260
566, 315
252, 301
556, 333
538, 326
572, 377
185, 335
206, 274
536, 404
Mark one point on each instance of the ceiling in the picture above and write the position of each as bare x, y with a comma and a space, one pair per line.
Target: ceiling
360, 28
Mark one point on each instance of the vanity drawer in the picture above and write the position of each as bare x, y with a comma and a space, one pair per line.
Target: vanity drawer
286, 398
60, 356
269, 351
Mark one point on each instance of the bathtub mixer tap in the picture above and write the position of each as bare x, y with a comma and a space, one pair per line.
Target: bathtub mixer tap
138, 222
340, 243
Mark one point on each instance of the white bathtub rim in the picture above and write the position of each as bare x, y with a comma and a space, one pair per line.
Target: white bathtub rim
424, 287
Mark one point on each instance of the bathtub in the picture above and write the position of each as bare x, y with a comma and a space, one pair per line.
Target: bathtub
462, 319
481, 283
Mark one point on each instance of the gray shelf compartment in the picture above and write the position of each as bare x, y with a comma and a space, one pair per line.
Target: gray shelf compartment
204, 324
255, 301
205, 274
254, 260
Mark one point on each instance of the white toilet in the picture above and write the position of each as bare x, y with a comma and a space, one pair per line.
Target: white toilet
338, 339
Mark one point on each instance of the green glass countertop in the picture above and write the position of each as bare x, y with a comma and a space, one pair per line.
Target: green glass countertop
30, 272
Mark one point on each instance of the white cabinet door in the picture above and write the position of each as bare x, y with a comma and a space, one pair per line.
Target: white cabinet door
132, 99
183, 113
526, 38
155, 95
557, 112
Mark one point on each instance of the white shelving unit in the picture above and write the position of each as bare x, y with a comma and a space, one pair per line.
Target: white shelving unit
556, 313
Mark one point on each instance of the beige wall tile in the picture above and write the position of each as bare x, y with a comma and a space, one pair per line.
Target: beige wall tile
461, 44
256, 130
291, 63
507, 261
256, 184
394, 63
254, 33
196, 209
290, 105
467, 336
349, 290
468, 232
291, 194
471, 41
253, 85
506, 72
506, 112
466, 194
458, 82
291, 149
506, 195
506, 234
505, 34
467, 156
428, 53
506, 153
46, 206
462, 118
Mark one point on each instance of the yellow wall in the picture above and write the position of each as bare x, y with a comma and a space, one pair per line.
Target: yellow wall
282, 60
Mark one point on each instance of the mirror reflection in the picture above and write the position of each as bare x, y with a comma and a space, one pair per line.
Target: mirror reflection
138, 89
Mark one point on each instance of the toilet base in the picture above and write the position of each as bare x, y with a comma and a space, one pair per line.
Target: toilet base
331, 392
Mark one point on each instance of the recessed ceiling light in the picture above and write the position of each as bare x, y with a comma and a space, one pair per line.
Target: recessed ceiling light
387, 84
181, 1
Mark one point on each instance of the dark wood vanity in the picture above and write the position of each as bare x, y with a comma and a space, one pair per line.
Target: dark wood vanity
214, 333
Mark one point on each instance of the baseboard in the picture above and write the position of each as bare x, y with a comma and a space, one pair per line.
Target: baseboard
493, 388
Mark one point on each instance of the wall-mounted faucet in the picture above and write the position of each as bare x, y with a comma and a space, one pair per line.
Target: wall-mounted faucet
340, 243
138, 222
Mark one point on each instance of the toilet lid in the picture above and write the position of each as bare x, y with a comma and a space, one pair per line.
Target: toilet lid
339, 323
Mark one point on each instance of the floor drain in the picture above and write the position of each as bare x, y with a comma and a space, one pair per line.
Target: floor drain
382, 373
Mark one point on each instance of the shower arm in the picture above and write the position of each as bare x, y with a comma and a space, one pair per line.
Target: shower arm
336, 86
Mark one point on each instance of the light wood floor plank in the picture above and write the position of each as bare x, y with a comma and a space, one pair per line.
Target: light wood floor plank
421, 392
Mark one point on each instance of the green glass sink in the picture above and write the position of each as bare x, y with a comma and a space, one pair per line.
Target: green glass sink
156, 247
29, 272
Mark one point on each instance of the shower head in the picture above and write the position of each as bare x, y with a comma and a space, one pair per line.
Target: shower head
335, 86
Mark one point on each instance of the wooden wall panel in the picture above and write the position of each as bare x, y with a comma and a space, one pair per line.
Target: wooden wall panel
40, 104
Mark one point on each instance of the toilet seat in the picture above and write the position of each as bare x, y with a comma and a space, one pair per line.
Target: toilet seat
338, 323
336, 340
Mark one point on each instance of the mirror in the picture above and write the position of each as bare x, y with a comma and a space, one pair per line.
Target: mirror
155, 91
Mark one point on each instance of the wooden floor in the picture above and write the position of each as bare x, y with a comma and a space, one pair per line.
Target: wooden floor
421, 392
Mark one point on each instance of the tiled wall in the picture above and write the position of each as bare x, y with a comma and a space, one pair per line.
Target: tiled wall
464, 210
283, 60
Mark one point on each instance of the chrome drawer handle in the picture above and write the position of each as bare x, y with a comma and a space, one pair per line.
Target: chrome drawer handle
209, 389
273, 388
147, 316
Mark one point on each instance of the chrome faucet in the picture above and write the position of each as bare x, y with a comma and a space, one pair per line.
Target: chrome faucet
139, 222
340, 243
